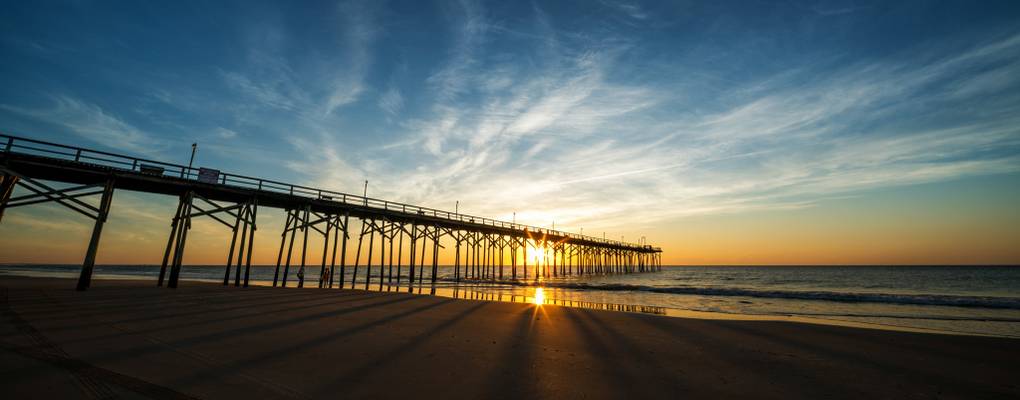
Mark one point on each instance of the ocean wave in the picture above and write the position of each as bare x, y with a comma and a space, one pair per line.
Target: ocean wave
844, 297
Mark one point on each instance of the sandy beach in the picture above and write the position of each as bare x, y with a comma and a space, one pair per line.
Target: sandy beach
128, 338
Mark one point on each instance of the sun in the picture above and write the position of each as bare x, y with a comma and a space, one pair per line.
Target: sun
536, 254
539, 297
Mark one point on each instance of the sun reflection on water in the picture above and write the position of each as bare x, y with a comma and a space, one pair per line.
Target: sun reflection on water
539, 296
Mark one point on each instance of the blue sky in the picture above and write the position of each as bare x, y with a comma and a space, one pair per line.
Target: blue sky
602, 114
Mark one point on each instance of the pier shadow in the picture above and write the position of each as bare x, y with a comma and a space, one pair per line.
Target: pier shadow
95, 382
514, 374
646, 371
874, 361
392, 356
620, 378
727, 363
261, 358
150, 346
213, 317
246, 329
289, 302
99, 302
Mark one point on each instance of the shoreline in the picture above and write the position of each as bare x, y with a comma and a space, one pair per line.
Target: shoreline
672, 312
207, 341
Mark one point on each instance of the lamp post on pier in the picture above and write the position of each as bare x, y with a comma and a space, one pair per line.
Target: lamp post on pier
194, 147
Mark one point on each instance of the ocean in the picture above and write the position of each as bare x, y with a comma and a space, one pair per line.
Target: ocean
983, 300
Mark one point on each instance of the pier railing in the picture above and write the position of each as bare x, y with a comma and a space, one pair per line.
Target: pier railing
14, 144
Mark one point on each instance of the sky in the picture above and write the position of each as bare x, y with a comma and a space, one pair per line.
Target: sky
726, 132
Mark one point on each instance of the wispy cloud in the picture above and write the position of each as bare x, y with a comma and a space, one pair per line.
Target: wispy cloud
89, 121
391, 101
483, 140
567, 132
314, 86
631, 9
224, 133
349, 84
321, 158
472, 26
557, 127
797, 142
619, 113
274, 90
296, 88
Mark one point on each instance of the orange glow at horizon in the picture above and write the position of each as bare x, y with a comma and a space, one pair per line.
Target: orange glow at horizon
895, 227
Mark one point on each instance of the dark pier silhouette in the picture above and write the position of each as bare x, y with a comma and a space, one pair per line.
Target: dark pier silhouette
481, 245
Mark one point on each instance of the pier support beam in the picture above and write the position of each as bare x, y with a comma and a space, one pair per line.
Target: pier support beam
421, 266
343, 252
69, 197
357, 257
524, 249
175, 223
244, 225
186, 210
435, 258
394, 230
413, 238
179, 237
304, 250
301, 220
368, 260
502, 245
456, 257
7, 183
291, 220
513, 258
85, 279
323, 272
400, 251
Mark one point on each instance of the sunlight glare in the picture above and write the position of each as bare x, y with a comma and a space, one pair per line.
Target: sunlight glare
538, 254
539, 297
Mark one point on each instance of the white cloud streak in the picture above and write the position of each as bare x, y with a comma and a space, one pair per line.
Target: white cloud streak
566, 126
392, 102
349, 84
322, 83
91, 122
564, 140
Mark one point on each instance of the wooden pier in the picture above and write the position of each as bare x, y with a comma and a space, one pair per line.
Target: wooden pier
484, 249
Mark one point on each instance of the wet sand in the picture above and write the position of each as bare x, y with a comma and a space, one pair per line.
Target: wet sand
128, 338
